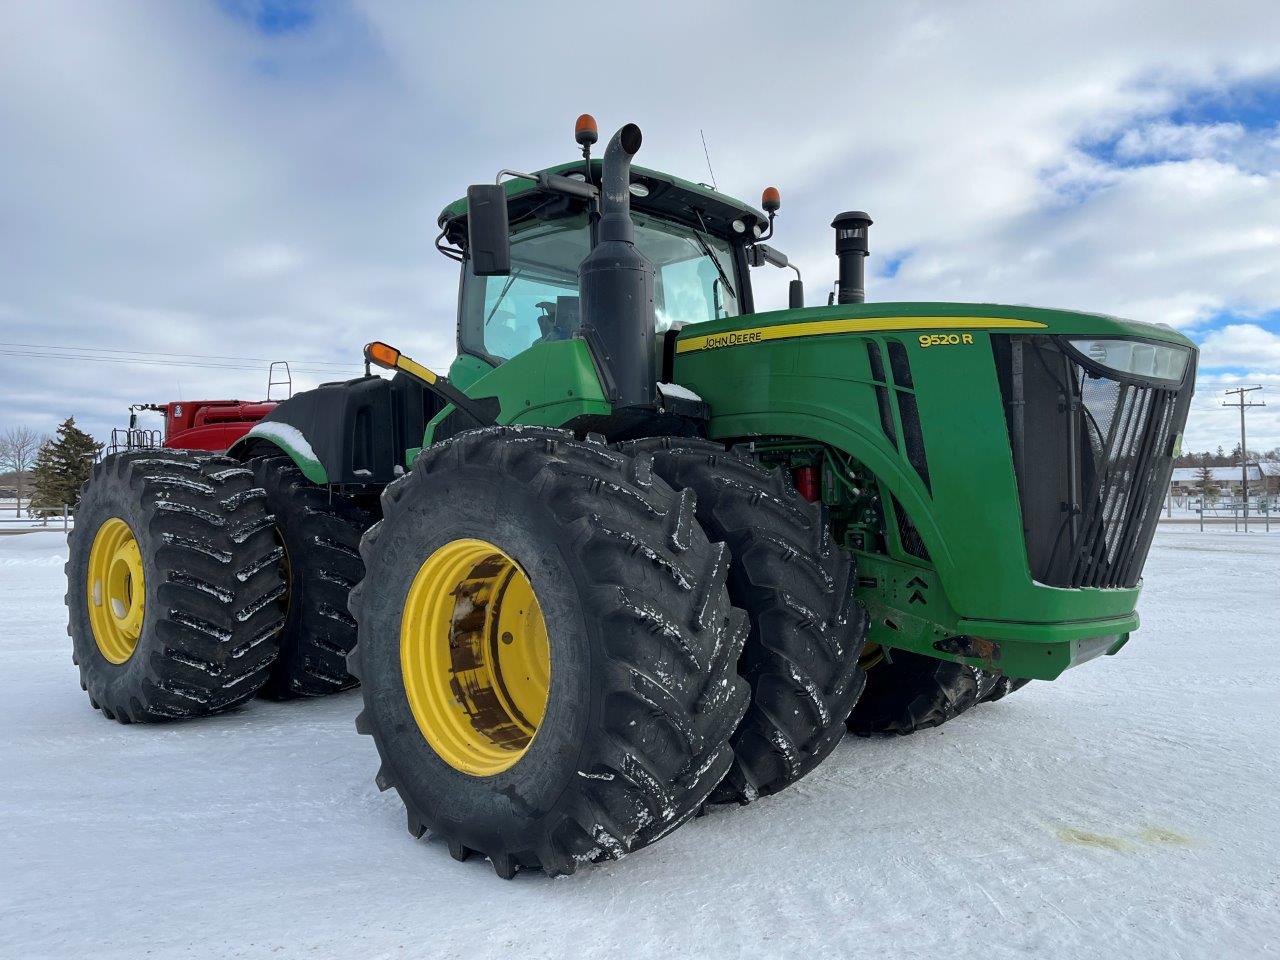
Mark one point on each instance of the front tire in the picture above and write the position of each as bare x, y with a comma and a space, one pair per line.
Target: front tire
618, 732
801, 656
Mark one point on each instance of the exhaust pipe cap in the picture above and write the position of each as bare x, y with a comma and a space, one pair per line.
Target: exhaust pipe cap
630, 138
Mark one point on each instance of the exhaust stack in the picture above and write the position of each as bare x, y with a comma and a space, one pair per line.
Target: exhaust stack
615, 283
852, 250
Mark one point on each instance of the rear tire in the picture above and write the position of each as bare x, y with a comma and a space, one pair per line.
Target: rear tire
639, 695
210, 606
907, 692
1002, 687
320, 533
801, 656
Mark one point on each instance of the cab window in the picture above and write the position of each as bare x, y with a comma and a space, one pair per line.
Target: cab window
538, 301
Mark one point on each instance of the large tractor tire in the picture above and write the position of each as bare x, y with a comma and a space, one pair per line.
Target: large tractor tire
320, 534
175, 595
806, 630
907, 692
1001, 687
546, 650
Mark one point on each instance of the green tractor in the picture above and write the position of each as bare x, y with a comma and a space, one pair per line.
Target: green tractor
644, 549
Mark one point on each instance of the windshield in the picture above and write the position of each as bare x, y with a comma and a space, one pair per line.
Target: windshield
502, 316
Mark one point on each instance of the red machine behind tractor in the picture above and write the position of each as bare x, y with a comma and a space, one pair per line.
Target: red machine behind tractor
211, 425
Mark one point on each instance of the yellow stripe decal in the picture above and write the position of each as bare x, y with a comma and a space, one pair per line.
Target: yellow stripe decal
416, 369
820, 328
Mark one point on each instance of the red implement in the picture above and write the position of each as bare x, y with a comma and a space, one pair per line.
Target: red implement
210, 424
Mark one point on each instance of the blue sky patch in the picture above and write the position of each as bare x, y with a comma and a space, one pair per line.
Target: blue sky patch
1253, 106
272, 17
889, 266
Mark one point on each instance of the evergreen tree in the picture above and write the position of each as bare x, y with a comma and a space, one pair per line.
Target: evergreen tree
1208, 489
62, 467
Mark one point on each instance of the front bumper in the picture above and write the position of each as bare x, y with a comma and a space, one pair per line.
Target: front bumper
909, 610
1043, 650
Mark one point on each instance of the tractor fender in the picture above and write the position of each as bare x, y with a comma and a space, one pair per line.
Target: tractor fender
350, 433
268, 439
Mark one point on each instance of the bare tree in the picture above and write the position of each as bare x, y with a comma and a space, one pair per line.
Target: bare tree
18, 449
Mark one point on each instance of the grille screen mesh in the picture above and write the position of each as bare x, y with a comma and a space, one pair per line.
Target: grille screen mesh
1093, 454
909, 536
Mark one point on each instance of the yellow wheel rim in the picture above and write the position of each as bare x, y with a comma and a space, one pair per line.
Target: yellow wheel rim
117, 591
872, 656
475, 657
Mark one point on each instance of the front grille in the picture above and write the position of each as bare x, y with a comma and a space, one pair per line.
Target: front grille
904, 395
882, 394
1093, 453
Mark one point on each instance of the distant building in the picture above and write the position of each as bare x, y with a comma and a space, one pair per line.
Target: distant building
1263, 475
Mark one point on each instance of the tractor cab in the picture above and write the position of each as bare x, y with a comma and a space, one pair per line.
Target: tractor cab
698, 240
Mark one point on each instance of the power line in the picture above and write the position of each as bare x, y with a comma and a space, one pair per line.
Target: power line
157, 353
180, 364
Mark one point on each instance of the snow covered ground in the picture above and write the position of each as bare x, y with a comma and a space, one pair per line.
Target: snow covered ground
1128, 810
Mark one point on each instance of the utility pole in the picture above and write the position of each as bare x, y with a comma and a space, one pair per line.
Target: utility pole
1239, 393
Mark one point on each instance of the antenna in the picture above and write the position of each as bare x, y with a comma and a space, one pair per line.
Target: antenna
707, 153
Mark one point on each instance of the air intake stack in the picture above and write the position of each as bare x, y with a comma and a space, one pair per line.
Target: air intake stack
851, 248
615, 283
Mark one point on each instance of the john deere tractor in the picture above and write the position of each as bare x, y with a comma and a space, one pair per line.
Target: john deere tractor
644, 548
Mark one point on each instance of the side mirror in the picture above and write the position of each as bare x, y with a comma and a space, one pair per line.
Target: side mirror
759, 254
795, 295
488, 237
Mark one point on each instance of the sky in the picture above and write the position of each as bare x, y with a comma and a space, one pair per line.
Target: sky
198, 188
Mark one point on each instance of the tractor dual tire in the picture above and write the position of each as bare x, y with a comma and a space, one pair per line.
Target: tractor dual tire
320, 533
907, 692
796, 585
200, 636
628, 708
1001, 687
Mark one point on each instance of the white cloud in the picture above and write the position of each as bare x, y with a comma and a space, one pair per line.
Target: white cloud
1163, 140
1244, 345
276, 197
